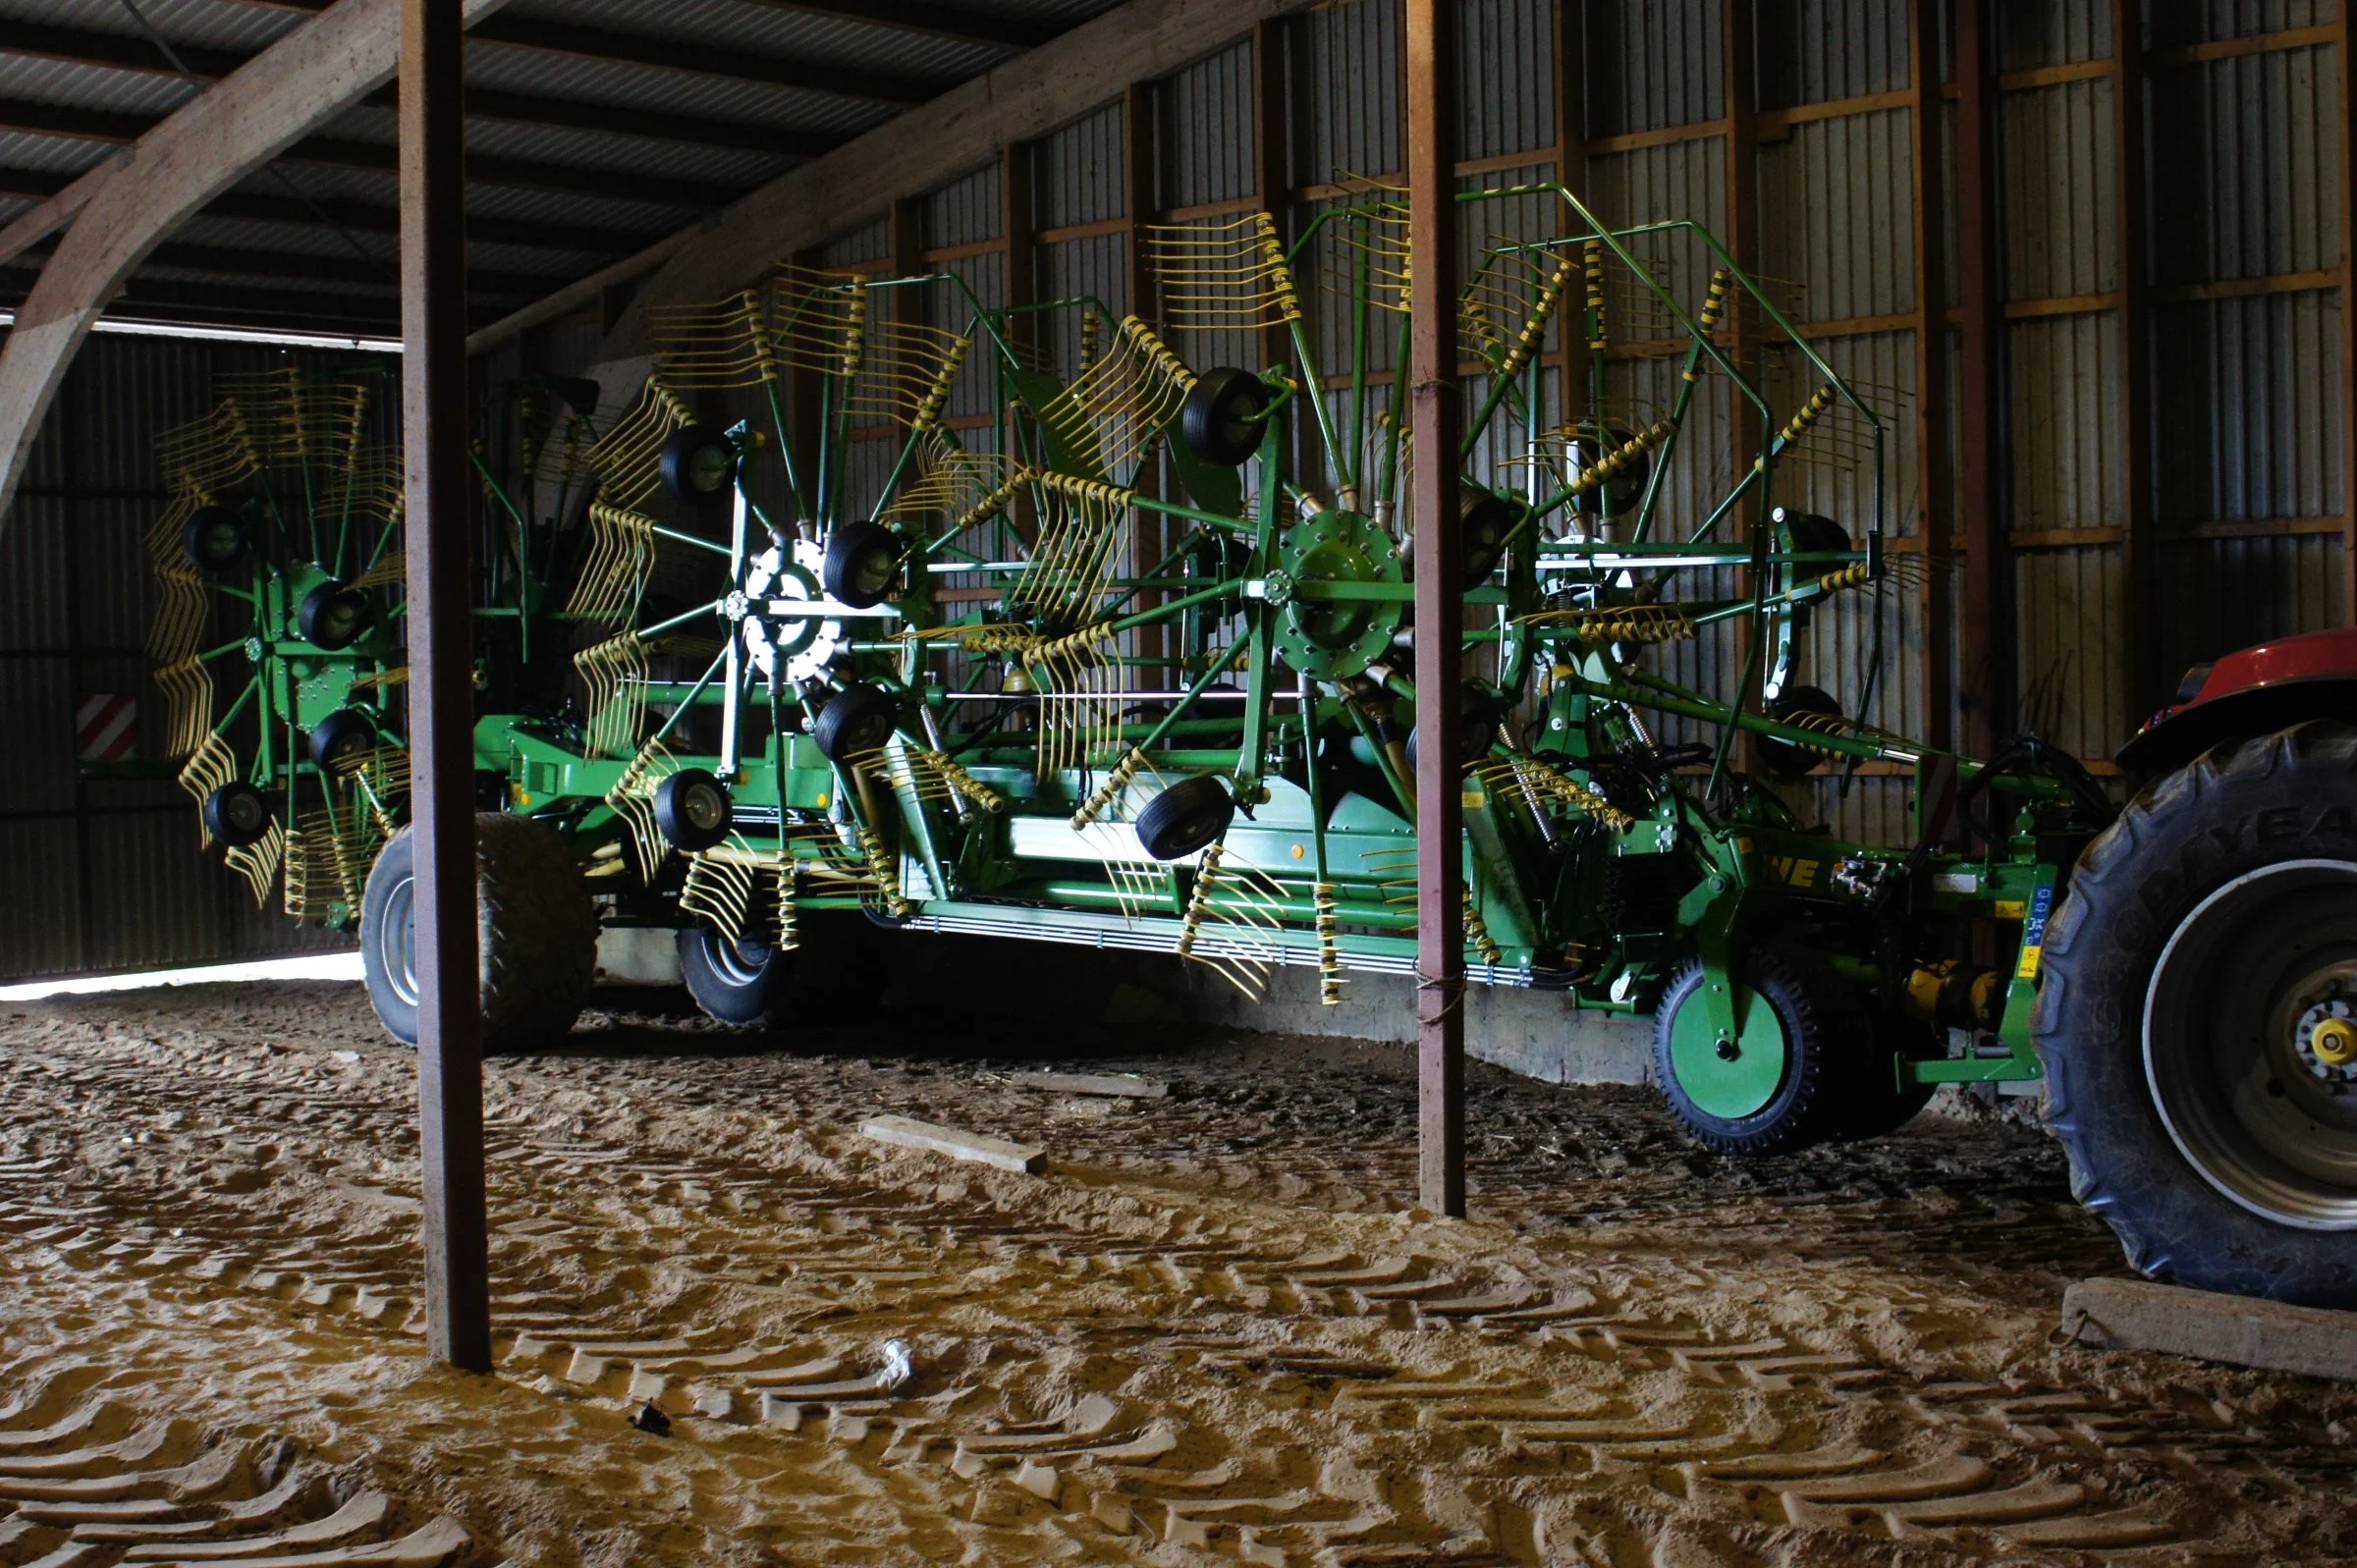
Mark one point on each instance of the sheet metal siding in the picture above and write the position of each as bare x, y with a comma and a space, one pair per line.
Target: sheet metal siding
1838, 215
2203, 20
2074, 684
1507, 105
2249, 152
2044, 32
2060, 191
1815, 51
2220, 594
1207, 130
1654, 64
1080, 174
1356, 113
2249, 426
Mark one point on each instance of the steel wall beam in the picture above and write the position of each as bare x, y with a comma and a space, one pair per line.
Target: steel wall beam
1935, 469
124, 208
2348, 321
439, 629
1435, 418
2138, 577
1984, 639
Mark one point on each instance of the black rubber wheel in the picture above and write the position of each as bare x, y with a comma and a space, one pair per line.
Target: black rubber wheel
698, 466
743, 982
1483, 521
239, 815
693, 809
332, 617
857, 719
1779, 1090
861, 560
535, 930
1477, 723
342, 738
1871, 1102
1187, 817
2198, 1021
215, 539
1786, 760
1221, 418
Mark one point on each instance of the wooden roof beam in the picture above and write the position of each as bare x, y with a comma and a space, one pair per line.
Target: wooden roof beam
897, 16
525, 173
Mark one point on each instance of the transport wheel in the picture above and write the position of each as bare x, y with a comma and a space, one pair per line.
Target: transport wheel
215, 539
1771, 1089
1483, 521
238, 815
698, 466
535, 928
1788, 760
857, 719
737, 981
1221, 417
1873, 1103
332, 615
692, 810
1184, 817
2198, 1021
861, 560
342, 738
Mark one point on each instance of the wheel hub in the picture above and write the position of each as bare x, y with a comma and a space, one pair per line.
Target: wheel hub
1729, 1078
805, 643
2250, 1042
1334, 640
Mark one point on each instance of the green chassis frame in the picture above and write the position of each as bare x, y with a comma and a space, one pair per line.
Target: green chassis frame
1539, 877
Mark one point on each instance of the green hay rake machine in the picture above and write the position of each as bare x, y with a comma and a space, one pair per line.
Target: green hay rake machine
1017, 623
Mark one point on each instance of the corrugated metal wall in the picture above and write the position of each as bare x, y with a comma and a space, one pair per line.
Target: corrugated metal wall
104, 873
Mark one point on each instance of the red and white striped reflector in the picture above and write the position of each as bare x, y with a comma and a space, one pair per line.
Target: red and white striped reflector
107, 727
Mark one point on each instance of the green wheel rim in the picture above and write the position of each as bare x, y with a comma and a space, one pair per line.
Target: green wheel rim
1728, 1087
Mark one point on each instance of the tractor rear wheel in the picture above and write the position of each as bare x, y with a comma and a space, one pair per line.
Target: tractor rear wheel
2198, 1020
535, 931
1773, 1088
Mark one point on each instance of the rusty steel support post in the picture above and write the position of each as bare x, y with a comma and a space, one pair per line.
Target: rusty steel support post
2138, 568
441, 688
1933, 463
2348, 321
1985, 627
1435, 418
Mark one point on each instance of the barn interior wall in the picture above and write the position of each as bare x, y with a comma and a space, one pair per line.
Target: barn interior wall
102, 867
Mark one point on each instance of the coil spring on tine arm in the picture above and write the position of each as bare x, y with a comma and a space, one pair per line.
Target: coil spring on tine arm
966, 784
1714, 305
1330, 961
1477, 932
1105, 793
1810, 412
1595, 271
887, 877
1198, 902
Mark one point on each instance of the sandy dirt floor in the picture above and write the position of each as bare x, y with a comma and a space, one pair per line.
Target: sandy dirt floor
1216, 1330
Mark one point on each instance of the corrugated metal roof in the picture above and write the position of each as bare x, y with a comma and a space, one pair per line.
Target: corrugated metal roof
704, 62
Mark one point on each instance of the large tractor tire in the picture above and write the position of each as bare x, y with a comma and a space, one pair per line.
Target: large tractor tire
2198, 1020
1776, 1088
747, 982
535, 930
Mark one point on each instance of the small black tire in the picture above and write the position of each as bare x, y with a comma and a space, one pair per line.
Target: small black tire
333, 617
2146, 1091
698, 466
341, 739
1818, 1013
535, 930
215, 539
861, 561
1789, 761
239, 815
1187, 817
1626, 487
693, 809
858, 719
1483, 520
1220, 419
1873, 1103
746, 982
